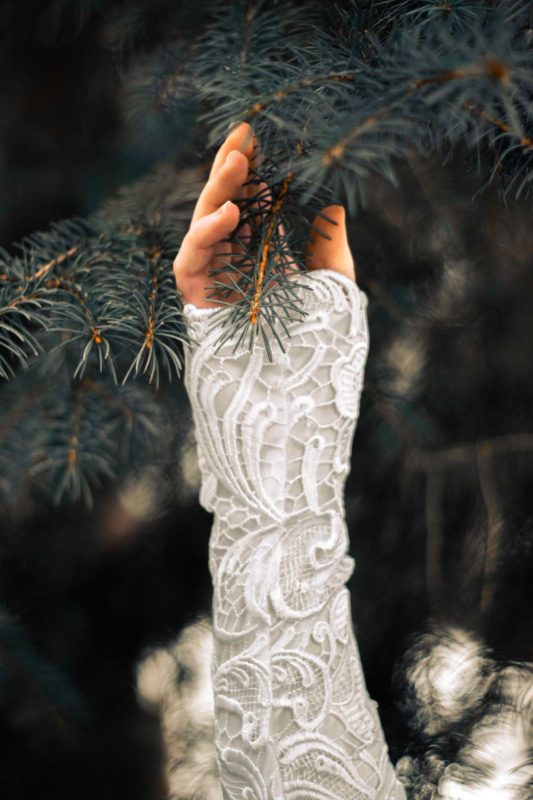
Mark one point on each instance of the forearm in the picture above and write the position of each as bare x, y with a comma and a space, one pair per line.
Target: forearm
274, 439
277, 437
274, 445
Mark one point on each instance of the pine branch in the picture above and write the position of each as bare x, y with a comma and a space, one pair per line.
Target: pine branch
83, 442
456, 15
362, 107
93, 294
333, 105
258, 47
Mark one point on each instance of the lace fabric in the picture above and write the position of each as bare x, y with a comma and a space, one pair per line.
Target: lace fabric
293, 717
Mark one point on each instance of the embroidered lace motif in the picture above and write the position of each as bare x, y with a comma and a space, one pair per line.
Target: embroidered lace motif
293, 718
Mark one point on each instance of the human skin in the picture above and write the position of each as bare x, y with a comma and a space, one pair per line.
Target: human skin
215, 217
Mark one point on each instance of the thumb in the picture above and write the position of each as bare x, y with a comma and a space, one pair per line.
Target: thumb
333, 253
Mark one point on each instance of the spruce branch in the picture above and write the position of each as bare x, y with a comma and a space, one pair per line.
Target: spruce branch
262, 274
333, 105
63, 436
285, 91
456, 15
363, 107
270, 69
17, 343
84, 441
79, 320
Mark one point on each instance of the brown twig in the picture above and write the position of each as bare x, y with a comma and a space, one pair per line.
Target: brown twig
64, 282
490, 67
45, 267
525, 141
155, 257
280, 94
53, 263
336, 151
267, 245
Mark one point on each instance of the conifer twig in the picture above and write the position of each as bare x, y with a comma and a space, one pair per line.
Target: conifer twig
273, 213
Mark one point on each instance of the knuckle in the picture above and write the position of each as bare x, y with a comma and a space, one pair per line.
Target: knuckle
178, 259
190, 237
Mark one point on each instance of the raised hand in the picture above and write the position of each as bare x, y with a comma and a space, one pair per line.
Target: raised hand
216, 216
293, 717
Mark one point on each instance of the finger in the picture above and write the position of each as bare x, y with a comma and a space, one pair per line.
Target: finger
248, 191
197, 253
333, 253
244, 192
227, 176
225, 185
241, 137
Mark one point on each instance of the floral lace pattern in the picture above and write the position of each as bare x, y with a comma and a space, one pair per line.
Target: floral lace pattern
293, 718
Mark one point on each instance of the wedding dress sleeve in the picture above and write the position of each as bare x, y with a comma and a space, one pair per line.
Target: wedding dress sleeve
293, 717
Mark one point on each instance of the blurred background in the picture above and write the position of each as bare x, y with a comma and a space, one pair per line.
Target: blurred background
104, 612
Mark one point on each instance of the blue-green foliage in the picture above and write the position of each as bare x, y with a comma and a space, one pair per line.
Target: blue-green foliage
337, 96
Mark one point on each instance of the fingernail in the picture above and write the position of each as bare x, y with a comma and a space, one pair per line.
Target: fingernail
233, 125
223, 208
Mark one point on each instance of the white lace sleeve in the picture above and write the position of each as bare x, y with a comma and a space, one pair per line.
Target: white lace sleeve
293, 718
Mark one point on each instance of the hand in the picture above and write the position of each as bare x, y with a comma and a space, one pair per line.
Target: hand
214, 219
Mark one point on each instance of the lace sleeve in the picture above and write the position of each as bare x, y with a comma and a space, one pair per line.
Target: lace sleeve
293, 718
